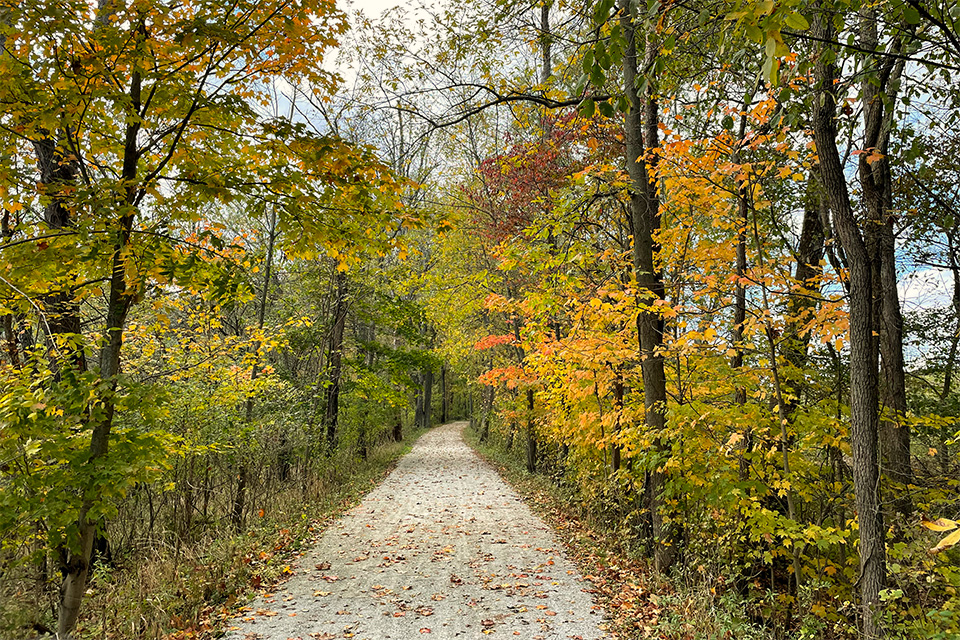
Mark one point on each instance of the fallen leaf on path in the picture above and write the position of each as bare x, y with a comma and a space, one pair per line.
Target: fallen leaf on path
323, 566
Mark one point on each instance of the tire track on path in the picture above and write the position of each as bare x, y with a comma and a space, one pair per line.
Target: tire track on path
443, 548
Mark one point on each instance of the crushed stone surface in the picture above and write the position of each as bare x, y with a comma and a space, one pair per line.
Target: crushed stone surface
443, 548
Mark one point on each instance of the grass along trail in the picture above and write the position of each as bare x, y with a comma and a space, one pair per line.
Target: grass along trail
443, 548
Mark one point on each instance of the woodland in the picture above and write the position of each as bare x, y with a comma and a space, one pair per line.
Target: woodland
694, 265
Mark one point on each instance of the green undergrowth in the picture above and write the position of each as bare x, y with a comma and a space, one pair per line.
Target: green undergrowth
639, 603
189, 591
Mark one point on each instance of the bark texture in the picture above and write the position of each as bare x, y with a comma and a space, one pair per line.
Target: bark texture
864, 420
642, 139
331, 414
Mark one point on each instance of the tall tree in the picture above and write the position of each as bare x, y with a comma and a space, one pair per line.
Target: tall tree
864, 416
119, 104
641, 127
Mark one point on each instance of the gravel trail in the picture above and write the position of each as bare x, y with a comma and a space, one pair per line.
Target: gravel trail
443, 548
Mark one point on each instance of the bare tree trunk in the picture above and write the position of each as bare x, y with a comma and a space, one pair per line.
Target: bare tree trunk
642, 134
335, 359
444, 395
397, 428
10, 338
546, 40
486, 410
418, 420
531, 435
864, 422
618, 390
879, 91
61, 310
740, 300
428, 398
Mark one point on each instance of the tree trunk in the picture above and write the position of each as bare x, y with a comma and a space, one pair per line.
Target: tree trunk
546, 40
531, 435
335, 359
444, 395
955, 340
863, 349
61, 310
77, 565
618, 408
880, 90
802, 302
641, 130
418, 403
486, 410
9, 336
740, 301
427, 398
397, 428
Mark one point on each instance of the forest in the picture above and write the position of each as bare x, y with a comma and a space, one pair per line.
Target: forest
691, 266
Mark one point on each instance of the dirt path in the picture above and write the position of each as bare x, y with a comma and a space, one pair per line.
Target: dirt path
442, 547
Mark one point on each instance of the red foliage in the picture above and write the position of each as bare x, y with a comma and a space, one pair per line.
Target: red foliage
517, 185
512, 376
494, 341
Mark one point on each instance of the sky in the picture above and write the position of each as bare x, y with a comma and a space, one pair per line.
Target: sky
373, 8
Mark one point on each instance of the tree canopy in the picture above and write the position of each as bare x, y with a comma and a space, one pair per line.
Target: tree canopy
662, 253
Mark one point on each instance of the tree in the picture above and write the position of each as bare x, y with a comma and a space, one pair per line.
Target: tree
135, 115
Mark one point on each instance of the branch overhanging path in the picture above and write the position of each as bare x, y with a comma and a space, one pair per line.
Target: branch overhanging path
442, 547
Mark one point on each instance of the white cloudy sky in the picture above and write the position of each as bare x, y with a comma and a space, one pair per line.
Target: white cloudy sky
373, 8
926, 288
